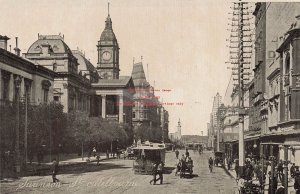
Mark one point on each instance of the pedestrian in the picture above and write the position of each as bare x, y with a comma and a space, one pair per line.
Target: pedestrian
94, 151
54, 170
187, 154
275, 183
229, 164
297, 180
177, 153
154, 174
183, 158
98, 159
236, 168
178, 167
210, 164
107, 154
280, 170
292, 170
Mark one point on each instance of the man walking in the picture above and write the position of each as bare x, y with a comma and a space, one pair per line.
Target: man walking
177, 153
158, 169
160, 173
98, 159
210, 164
54, 170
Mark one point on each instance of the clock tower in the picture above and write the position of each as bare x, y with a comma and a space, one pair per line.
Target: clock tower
108, 53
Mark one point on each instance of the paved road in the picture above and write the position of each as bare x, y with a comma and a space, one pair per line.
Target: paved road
116, 176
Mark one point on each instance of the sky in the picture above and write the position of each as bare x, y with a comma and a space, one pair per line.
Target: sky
182, 41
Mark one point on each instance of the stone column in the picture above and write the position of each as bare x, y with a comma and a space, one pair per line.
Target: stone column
121, 111
11, 88
22, 89
103, 106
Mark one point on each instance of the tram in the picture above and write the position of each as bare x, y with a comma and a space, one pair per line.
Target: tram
146, 156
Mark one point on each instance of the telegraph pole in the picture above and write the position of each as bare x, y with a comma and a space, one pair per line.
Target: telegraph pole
240, 41
162, 124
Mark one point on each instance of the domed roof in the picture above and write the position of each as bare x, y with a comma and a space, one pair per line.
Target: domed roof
84, 64
108, 33
55, 42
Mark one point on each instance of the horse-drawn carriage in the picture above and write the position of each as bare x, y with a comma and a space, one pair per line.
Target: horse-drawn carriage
185, 168
146, 157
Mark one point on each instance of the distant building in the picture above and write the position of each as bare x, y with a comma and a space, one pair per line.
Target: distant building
176, 136
213, 129
196, 139
146, 106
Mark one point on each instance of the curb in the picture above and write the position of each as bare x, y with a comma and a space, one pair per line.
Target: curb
228, 173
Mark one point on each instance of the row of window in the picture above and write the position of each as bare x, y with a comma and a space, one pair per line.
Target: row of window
13, 83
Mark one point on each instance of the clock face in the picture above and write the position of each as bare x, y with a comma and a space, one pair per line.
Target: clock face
106, 55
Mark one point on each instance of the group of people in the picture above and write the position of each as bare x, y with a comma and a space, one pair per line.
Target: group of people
254, 170
185, 159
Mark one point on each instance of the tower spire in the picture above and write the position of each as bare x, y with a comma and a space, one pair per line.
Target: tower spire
108, 8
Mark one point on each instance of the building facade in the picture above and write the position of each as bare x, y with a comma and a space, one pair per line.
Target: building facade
18, 75
71, 88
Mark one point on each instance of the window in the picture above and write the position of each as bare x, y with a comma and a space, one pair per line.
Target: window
45, 86
56, 98
133, 115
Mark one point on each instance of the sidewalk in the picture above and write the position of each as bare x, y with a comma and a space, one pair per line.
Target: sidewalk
231, 172
37, 169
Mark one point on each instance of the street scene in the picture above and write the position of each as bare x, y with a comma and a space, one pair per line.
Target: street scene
117, 176
160, 96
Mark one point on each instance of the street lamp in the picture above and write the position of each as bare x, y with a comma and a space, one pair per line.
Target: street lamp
17, 83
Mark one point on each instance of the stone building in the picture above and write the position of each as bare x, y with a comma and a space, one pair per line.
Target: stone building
71, 88
20, 75
146, 107
113, 93
21, 81
278, 48
213, 129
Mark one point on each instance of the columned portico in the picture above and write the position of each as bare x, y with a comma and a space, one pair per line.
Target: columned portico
103, 103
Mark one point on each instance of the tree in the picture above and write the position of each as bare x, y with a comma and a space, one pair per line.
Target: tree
145, 133
79, 128
46, 128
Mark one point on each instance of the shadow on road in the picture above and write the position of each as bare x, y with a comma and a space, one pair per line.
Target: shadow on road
168, 169
188, 176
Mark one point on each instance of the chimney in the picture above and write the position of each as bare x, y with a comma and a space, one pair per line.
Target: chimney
17, 50
3, 42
